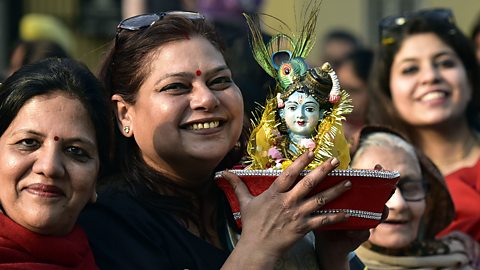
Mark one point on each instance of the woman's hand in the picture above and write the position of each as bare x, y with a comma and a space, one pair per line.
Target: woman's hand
332, 247
274, 220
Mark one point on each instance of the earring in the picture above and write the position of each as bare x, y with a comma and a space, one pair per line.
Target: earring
126, 129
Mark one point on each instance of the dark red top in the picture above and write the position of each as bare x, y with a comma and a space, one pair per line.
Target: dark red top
23, 249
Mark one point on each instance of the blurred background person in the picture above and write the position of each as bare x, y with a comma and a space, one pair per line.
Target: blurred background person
353, 73
476, 37
27, 52
427, 85
336, 45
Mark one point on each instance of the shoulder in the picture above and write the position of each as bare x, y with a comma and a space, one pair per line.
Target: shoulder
123, 233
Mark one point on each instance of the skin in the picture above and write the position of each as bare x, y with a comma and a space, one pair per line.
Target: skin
402, 224
429, 84
47, 182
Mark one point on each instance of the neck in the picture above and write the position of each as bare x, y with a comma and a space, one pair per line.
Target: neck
450, 148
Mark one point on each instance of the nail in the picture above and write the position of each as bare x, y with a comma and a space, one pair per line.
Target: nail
310, 154
334, 162
348, 184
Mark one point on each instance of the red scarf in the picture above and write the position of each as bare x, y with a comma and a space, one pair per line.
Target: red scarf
23, 249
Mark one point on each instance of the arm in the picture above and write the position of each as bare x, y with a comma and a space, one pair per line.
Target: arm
333, 247
277, 218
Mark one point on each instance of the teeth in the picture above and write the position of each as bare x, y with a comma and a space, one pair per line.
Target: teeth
205, 125
433, 95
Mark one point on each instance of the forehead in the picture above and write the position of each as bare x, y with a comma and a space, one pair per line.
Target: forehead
52, 109
192, 53
300, 96
423, 44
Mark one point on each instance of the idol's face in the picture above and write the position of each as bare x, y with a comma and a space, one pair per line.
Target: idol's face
301, 114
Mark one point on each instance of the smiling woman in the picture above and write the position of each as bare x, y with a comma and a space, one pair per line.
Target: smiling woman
427, 85
53, 146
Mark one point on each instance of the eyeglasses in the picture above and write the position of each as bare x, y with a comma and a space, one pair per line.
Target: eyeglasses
390, 26
412, 190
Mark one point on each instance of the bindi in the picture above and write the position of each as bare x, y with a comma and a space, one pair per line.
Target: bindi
56, 138
198, 72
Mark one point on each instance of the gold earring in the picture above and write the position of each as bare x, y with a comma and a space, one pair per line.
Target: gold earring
126, 129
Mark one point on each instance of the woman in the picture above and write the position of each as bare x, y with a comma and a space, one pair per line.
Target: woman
419, 208
427, 86
54, 144
180, 118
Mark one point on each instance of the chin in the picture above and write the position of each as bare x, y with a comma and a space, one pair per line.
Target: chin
394, 242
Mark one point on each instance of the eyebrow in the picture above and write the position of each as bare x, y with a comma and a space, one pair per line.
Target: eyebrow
437, 55
191, 75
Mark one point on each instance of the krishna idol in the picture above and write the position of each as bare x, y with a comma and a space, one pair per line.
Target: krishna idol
305, 113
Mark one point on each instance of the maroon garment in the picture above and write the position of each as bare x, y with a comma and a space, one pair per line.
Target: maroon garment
464, 187
23, 249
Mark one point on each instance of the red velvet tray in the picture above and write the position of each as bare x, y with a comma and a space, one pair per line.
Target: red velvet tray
365, 201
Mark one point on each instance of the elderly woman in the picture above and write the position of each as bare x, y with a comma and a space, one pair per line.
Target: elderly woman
418, 210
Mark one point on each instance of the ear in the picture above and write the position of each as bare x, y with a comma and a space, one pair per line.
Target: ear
123, 114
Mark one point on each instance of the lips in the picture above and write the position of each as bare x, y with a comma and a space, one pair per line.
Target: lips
301, 123
43, 190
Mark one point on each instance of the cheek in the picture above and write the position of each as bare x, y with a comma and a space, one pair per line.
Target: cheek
84, 178
313, 118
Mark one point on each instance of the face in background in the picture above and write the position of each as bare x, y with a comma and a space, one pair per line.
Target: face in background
477, 46
188, 113
402, 224
429, 84
301, 113
48, 164
357, 89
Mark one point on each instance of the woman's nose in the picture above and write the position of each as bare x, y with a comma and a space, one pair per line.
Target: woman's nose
430, 74
203, 98
396, 201
50, 162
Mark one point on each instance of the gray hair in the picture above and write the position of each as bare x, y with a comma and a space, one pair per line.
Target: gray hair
384, 139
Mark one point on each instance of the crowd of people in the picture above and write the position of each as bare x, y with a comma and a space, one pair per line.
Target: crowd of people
115, 171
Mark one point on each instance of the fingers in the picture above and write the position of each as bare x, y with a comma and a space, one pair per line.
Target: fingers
319, 200
385, 213
239, 187
326, 219
285, 181
312, 179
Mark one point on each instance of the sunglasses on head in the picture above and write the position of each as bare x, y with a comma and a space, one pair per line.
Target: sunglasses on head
146, 20
392, 25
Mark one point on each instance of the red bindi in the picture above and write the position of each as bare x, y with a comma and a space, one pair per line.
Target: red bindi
56, 138
198, 72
